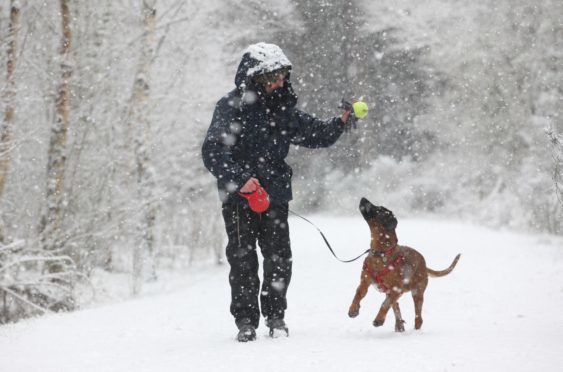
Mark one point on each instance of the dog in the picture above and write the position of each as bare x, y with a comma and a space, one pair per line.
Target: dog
393, 268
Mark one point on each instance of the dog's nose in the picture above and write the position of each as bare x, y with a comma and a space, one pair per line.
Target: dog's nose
363, 202
366, 208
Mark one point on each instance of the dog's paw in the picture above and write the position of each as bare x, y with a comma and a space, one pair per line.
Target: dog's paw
400, 326
352, 313
378, 323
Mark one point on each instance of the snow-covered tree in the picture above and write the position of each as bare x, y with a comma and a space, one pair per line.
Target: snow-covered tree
9, 97
140, 127
57, 153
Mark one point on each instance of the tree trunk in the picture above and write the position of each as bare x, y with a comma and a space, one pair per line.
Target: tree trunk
10, 97
140, 123
52, 216
557, 144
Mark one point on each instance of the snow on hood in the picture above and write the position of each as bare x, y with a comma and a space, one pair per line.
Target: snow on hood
270, 57
259, 59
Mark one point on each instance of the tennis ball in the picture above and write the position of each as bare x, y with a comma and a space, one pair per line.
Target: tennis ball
360, 109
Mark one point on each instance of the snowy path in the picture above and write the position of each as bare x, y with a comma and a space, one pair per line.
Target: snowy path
499, 310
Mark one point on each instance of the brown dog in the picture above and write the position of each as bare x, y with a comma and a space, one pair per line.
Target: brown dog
393, 268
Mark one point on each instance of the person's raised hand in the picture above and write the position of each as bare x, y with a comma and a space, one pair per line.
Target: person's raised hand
346, 115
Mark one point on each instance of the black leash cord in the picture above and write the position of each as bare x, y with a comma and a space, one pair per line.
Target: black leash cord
326, 241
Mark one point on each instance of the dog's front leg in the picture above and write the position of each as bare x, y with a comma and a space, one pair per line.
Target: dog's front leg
360, 294
399, 322
390, 300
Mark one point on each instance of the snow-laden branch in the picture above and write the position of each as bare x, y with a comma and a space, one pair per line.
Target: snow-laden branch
13, 246
24, 300
28, 259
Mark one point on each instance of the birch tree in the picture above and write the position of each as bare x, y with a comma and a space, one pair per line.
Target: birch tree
140, 124
32, 280
94, 110
9, 97
557, 148
51, 219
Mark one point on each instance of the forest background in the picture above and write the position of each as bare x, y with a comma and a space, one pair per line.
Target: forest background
105, 105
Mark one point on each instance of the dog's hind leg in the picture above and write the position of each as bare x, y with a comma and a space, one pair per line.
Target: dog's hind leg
390, 300
418, 298
399, 322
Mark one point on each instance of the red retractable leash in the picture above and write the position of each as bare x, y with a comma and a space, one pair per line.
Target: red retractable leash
258, 200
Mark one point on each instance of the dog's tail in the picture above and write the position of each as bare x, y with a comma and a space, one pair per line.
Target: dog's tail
435, 273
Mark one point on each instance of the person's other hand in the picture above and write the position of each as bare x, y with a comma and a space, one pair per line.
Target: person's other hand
345, 116
250, 186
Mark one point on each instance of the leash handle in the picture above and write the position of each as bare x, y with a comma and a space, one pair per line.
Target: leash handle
326, 240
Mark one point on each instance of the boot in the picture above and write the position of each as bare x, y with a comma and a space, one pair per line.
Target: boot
277, 327
246, 333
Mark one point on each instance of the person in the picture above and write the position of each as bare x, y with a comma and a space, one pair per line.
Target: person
245, 149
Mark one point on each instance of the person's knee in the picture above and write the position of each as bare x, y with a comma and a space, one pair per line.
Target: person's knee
244, 254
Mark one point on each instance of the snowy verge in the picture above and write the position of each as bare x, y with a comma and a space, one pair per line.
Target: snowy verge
498, 310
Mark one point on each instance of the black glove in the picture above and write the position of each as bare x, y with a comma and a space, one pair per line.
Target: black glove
351, 123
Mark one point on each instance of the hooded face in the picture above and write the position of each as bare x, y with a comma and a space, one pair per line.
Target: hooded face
383, 216
261, 61
271, 86
272, 77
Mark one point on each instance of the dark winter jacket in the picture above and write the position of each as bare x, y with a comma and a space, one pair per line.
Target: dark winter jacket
251, 131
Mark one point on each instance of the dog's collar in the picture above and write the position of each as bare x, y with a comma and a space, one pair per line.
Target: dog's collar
383, 254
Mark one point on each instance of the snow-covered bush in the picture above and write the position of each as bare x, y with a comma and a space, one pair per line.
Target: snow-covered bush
33, 281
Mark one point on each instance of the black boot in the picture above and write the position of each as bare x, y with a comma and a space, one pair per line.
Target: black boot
246, 333
277, 327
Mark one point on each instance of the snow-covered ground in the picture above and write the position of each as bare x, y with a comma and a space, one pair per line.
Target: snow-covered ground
500, 309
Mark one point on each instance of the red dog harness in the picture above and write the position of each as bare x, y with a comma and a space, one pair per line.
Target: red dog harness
379, 275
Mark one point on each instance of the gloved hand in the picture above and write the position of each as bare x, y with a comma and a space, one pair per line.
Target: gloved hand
353, 112
258, 199
348, 117
250, 186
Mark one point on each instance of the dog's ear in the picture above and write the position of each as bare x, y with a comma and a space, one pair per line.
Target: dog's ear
388, 219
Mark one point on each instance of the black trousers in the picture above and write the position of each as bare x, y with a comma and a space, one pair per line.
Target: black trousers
271, 231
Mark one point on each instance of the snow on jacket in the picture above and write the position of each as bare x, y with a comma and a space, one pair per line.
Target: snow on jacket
251, 132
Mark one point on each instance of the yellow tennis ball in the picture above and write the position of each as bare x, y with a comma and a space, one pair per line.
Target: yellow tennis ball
360, 109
